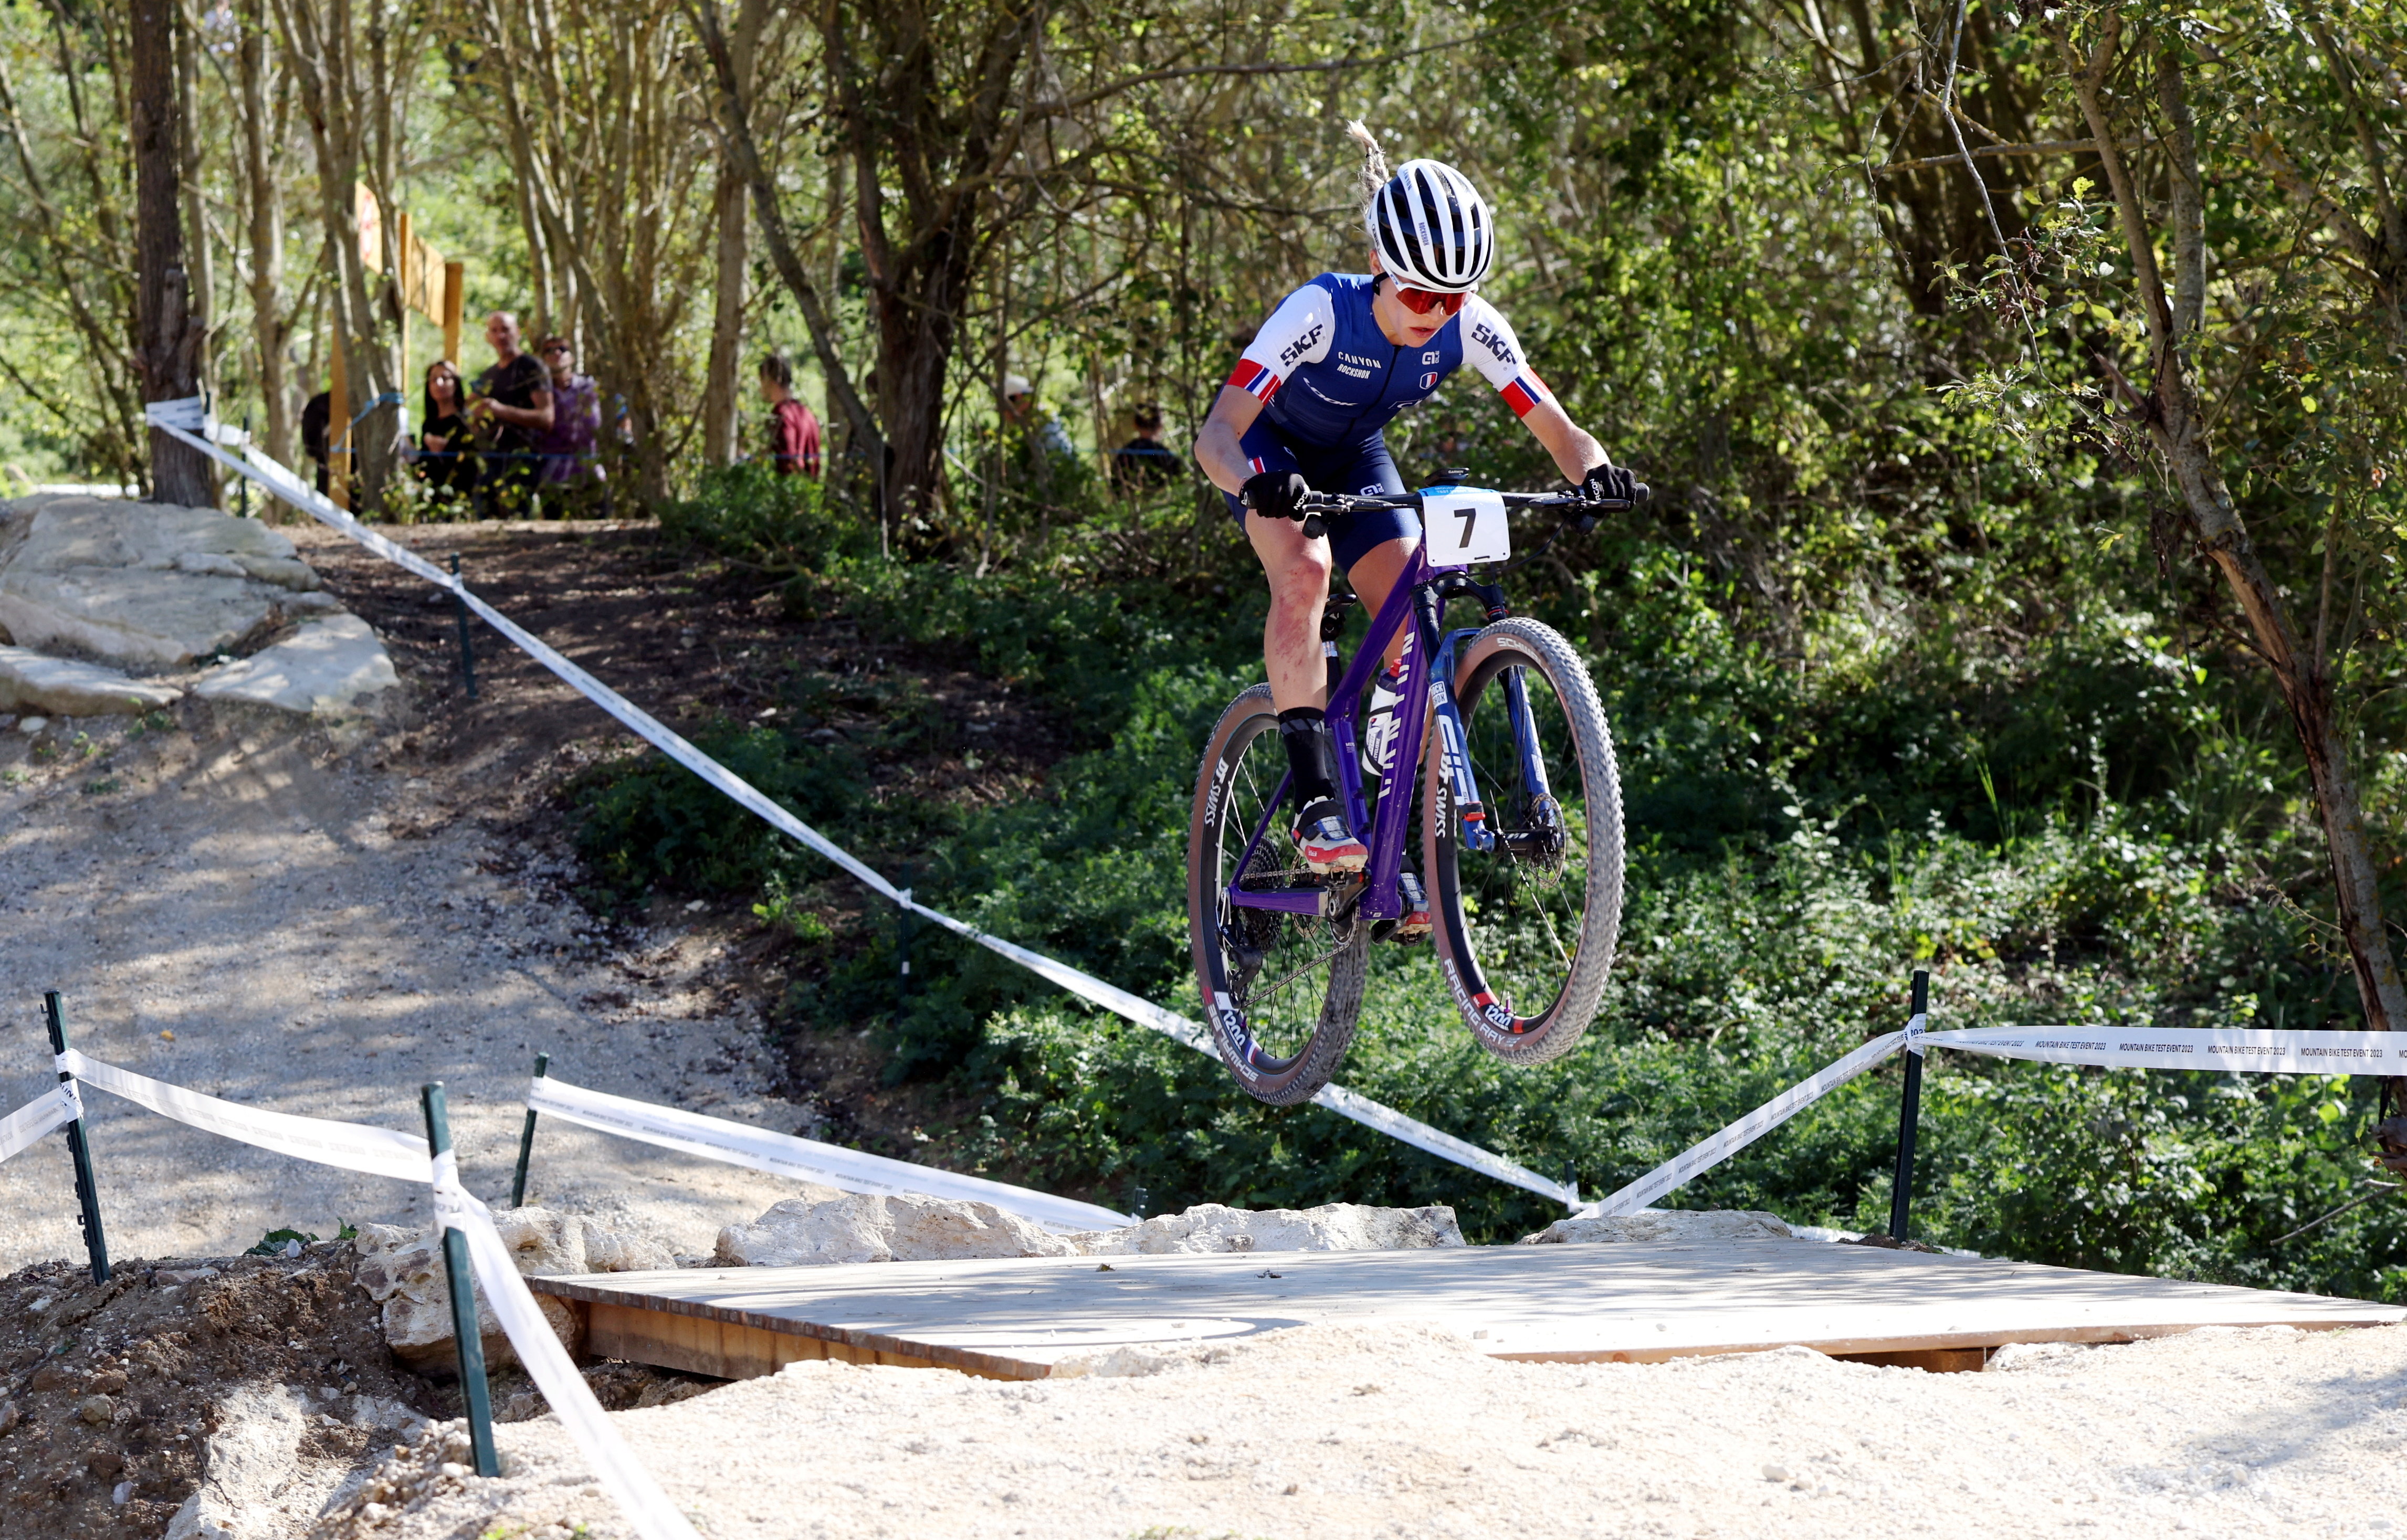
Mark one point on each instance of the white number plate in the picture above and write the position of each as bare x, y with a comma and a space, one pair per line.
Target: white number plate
1463, 525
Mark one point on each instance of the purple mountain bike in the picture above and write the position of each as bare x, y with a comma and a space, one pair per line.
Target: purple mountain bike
1500, 731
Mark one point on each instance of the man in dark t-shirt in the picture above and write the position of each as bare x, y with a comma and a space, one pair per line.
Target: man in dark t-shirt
512, 403
1144, 462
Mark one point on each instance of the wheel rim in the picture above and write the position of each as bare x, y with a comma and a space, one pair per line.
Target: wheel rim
1524, 902
1271, 969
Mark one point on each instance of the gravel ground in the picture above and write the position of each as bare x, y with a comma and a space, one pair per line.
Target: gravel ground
275, 918
1335, 1434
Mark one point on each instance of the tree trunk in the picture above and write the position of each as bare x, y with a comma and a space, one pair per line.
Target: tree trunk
170, 332
318, 49
722, 402
735, 124
268, 327
2175, 421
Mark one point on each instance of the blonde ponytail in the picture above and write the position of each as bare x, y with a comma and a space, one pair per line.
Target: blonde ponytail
1375, 164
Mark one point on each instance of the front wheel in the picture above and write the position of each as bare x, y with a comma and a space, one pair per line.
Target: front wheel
1282, 988
1525, 929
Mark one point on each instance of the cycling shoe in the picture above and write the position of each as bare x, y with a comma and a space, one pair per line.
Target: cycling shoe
1326, 844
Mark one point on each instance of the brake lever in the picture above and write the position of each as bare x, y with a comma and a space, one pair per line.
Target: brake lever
1312, 527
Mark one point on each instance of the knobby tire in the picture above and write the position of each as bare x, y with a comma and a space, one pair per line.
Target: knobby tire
1554, 1004
1216, 833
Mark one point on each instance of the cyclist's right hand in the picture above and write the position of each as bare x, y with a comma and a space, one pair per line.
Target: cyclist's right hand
1276, 494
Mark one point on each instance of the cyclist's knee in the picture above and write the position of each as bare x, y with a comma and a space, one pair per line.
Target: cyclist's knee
1303, 578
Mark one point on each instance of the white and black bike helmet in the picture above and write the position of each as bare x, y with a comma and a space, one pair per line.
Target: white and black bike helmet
1431, 228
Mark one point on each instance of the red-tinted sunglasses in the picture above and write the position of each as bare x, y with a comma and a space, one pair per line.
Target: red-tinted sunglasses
1420, 302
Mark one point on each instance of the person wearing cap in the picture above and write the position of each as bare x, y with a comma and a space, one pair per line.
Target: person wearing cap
566, 447
1306, 407
1023, 411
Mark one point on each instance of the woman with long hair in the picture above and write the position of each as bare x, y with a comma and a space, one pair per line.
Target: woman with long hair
447, 450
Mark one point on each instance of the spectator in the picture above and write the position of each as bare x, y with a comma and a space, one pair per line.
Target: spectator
314, 413
1024, 412
1144, 462
512, 402
567, 445
793, 432
446, 457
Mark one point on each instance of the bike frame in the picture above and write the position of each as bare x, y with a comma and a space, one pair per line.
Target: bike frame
1419, 595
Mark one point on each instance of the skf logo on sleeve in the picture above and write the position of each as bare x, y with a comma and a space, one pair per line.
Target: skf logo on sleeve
1486, 337
1301, 346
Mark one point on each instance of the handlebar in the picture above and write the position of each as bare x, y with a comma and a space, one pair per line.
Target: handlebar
1572, 503
1575, 505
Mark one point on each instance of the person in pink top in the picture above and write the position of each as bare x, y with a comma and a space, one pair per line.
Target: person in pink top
793, 429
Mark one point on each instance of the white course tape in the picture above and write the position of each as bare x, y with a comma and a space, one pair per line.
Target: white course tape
805, 1159
2112, 1048
2186, 1047
187, 420
1708, 1153
353, 1147
648, 1507
54, 1108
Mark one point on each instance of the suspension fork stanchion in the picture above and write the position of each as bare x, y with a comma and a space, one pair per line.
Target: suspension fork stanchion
1525, 735
1454, 747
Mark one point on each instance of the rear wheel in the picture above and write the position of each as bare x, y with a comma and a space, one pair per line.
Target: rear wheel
1526, 929
1283, 989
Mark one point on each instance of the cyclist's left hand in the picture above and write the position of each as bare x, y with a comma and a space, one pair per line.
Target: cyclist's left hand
1609, 482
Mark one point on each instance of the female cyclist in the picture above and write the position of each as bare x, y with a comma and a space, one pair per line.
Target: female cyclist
1306, 410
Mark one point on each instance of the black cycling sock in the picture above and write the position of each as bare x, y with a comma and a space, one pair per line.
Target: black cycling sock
1311, 755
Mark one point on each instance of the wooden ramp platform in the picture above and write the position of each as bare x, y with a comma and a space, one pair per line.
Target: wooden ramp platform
1617, 1302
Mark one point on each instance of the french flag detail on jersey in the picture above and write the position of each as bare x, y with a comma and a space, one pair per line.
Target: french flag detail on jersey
1255, 381
1523, 393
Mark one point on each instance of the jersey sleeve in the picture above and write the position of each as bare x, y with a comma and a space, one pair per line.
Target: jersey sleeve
1299, 331
1490, 346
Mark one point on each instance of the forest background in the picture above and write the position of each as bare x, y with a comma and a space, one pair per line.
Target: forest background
2019, 598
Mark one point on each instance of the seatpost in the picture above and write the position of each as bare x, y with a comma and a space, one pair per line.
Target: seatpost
1332, 624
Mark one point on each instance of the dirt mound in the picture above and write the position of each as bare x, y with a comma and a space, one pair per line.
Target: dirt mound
1368, 1432
111, 1394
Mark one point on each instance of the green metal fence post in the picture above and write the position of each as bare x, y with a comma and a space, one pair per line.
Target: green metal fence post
79, 1146
1909, 1114
526, 1141
468, 647
474, 1392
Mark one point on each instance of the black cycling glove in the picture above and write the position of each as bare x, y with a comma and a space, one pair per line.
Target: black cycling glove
1609, 481
1273, 494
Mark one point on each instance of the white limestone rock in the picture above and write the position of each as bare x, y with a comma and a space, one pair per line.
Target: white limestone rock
31, 682
328, 668
142, 585
1714, 1224
403, 1270
868, 1227
1330, 1227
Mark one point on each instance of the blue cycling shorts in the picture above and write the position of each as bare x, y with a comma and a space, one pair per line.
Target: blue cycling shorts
1365, 469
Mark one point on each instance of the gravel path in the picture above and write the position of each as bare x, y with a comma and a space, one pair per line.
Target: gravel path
1337, 1433
279, 907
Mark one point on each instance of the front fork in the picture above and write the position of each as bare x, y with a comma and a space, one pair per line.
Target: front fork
1454, 747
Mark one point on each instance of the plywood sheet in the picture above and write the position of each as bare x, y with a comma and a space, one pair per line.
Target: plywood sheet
1625, 1302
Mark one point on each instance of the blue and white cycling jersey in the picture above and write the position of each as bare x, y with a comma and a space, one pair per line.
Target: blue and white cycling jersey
1328, 378
1330, 383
